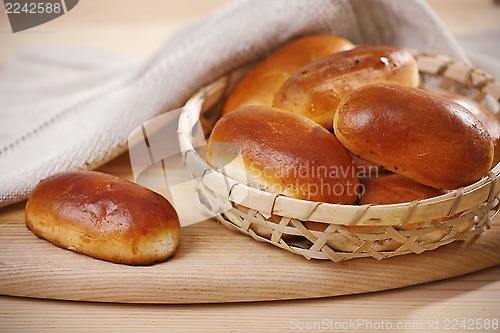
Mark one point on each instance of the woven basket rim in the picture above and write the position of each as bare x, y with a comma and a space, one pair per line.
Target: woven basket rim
304, 209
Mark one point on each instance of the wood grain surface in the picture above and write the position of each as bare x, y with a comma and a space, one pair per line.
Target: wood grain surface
424, 308
214, 264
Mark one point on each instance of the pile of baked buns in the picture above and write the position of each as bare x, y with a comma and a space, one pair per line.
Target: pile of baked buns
323, 120
319, 119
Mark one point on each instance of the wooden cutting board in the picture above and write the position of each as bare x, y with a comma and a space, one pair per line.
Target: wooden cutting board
214, 264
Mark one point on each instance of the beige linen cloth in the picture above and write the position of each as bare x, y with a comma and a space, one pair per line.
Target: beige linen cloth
67, 109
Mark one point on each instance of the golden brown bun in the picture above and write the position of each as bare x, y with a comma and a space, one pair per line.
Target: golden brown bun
366, 169
486, 118
393, 188
260, 85
415, 133
316, 89
104, 217
282, 152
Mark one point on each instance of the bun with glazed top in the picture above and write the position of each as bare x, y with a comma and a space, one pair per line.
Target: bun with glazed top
489, 121
316, 89
282, 152
104, 217
264, 80
415, 133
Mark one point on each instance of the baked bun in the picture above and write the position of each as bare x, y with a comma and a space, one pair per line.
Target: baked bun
104, 217
285, 153
392, 188
415, 133
264, 80
366, 169
489, 121
316, 89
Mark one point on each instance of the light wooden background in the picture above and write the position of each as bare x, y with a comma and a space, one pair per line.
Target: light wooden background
138, 28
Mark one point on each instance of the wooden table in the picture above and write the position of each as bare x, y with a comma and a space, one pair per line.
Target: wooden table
431, 307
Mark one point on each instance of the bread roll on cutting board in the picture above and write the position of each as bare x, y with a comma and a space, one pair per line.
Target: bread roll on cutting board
104, 217
316, 89
415, 133
264, 80
282, 152
486, 118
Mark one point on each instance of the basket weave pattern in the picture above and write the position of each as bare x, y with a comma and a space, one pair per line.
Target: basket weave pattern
349, 231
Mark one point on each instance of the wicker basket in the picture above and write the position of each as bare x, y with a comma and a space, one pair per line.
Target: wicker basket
362, 231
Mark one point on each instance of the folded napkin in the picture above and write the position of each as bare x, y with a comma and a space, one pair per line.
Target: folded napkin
66, 109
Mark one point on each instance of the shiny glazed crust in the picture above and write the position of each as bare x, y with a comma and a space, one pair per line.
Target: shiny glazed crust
260, 85
415, 133
282, 152
104, 217
486, 118
392, 188
316, 89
